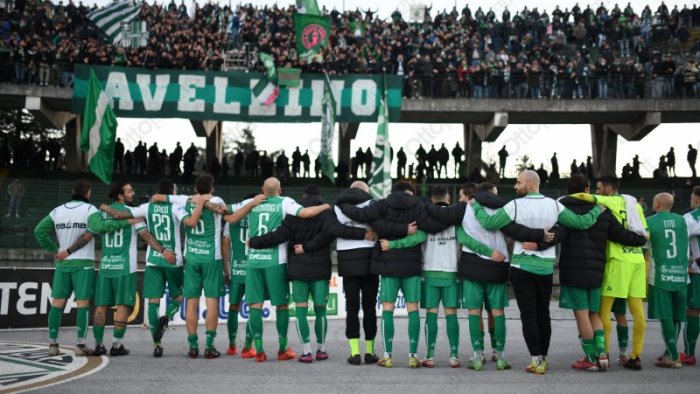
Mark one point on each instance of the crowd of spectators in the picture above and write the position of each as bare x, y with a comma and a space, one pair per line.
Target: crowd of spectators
591, 52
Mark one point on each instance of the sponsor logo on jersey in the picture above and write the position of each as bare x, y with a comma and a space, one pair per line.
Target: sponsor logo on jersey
70, 225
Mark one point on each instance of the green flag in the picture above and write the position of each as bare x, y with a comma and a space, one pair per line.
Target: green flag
99, 131
312, 33
308, 7
327, 128
380, 182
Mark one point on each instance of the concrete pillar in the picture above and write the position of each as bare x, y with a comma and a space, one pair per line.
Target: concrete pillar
348, 132
604, 144
74, 156
215, 144
472, 150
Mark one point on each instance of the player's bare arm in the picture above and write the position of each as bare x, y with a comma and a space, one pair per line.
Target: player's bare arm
245, 210
126, 214
168, 255
310, 212
77, 245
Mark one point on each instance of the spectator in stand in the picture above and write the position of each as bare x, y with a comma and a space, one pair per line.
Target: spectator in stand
565, 54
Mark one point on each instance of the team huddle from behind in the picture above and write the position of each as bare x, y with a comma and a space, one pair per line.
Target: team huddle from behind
434, 253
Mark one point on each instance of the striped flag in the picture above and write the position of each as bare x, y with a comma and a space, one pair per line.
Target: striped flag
99, 131
266, 90
380, 182
110, 18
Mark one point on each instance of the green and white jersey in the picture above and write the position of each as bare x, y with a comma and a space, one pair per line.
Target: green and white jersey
71, 222
203, 241
265, 218
238, 234
163, 221
119, 247
669, 251
692, 220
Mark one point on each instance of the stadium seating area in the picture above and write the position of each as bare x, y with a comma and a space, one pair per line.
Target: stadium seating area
592, 52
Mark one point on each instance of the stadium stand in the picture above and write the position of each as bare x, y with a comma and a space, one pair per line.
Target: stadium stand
578, 53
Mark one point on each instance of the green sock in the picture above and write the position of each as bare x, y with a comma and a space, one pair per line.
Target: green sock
99, 333
282, 327
388, 330
369, 346
431, 327
248, 336
492, 334
453, 334
193, 340
303, 324
623, 337
589, 350
55, 315
321, 324
690, 335
668, 330
153, 318
499, 332
414, 331
118, 335
354, 346
232, 326
83, 319
475, 333
599, 340
256, 328
172, 308
211, 334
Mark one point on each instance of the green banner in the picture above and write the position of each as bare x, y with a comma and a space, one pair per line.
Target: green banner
219, 95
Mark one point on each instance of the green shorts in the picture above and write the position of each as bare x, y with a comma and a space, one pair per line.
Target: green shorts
236, 291
390, 286
619, 306
204, 275
579, 299
434, 290
260, 282
155, 278
80, 280
694, 291
624, 280
476, 293
664, 304
317, 289
119, 290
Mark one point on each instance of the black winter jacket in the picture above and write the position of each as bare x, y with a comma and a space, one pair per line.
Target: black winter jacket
401, 209
582, 259
470, 265
315, 263
356, 262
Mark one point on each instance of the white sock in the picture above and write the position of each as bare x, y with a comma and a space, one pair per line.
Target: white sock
535, 359
321, 347
387, 355
307, 348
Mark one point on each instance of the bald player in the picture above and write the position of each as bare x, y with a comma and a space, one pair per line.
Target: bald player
668, 274
531, 271
267, 268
